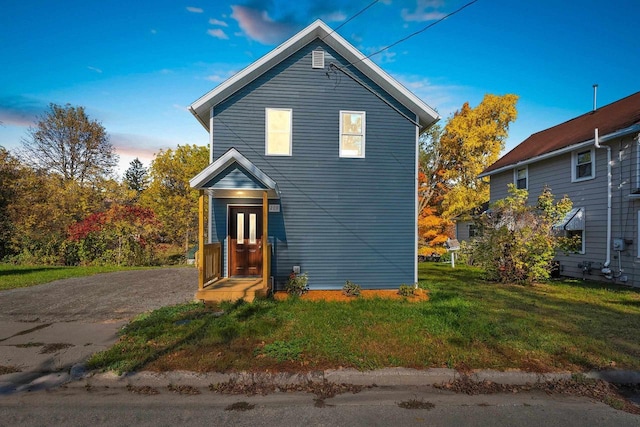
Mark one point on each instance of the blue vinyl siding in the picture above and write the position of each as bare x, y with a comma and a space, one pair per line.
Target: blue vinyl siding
340, 218
235, 177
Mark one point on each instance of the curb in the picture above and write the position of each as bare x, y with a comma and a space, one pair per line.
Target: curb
380, 377
78, 376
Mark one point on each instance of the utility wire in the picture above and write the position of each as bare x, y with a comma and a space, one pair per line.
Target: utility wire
413, 34
354, 16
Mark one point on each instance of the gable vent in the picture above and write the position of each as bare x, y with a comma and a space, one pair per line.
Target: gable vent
317, 59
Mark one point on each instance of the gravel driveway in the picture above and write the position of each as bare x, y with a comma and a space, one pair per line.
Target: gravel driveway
100, 298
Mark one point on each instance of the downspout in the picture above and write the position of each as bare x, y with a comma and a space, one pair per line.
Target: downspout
605, 269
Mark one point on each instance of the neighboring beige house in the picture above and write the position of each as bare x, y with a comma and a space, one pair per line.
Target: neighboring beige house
595, 160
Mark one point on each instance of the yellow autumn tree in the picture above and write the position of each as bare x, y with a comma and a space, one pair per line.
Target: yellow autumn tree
451, 158
169, 194
471, 141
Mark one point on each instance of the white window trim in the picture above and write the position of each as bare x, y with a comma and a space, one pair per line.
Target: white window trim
364, 133
574, 164
266, 131
515, 176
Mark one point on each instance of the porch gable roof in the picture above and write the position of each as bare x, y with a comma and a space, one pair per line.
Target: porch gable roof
233, 176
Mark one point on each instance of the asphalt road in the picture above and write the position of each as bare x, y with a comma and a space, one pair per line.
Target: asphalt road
376, 407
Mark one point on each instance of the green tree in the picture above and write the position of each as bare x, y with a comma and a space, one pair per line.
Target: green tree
518, 242
136, 176
67, 142
169, 194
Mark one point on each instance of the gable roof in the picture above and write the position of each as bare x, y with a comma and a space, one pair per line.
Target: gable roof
200, 108
245, 174
613, 119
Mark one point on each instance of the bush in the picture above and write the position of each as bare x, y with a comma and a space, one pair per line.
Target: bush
407, 290
297, 284
350, 289
518, 242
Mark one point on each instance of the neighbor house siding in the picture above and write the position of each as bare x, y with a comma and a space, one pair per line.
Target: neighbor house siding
591, 195
340, 218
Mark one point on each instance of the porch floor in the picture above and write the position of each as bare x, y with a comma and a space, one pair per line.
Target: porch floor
232, 289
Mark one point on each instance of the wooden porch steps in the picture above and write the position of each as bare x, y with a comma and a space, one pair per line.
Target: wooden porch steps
232, 289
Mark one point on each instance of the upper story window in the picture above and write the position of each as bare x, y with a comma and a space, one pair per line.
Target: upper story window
521, 178
352, 133
278, 131
583, 165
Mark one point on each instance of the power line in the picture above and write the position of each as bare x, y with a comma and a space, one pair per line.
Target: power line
415, 33
354, 16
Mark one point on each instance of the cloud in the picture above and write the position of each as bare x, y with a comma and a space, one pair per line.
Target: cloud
445, 98
97, 70
217, 33
20, 110
214, 21
258, 26
426, 10
195, 9
336, 16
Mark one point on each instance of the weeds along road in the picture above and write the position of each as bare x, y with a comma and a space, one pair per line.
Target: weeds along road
381, 406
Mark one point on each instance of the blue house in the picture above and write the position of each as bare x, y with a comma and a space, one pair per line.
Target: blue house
313, 170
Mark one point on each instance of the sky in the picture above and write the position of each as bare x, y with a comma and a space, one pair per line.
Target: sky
137, 66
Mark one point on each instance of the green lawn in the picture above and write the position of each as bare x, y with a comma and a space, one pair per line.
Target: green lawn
467, 324
21, 276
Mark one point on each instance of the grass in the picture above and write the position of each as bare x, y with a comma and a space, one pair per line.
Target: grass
467, 324
21, 276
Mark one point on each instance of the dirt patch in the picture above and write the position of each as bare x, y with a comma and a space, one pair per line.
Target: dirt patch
421, 295
8, 370
54, 348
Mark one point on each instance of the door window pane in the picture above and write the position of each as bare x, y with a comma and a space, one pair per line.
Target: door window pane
240, 232
252, 229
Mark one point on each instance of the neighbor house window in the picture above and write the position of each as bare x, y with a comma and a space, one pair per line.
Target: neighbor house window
278, 131
352, 133
520, 178
572, 226
583, 165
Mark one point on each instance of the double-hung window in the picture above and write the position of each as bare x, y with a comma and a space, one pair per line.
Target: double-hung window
520, 176
278, 131
352, 133
583, 165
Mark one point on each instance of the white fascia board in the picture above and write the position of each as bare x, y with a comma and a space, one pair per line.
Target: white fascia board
227, 159
568, 149
317, 29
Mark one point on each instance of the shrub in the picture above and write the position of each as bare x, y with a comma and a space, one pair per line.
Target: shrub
297, 284
518, 242
407, 290
350, 289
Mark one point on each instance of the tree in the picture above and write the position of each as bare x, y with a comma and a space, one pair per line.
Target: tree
471, 141
65, 141
451, 159
169, 194
518, 242
136, 177
10, 169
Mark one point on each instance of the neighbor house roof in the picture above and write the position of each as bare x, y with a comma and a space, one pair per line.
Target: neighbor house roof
201, 108
612, 119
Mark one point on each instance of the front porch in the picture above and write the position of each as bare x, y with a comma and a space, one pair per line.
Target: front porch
232, 289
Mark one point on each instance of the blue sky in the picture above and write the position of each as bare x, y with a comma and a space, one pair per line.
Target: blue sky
136, 66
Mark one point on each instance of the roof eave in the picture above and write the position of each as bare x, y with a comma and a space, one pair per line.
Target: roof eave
567, 149
201, 107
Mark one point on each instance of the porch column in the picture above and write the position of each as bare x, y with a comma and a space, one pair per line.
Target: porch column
201, 242
265, 239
